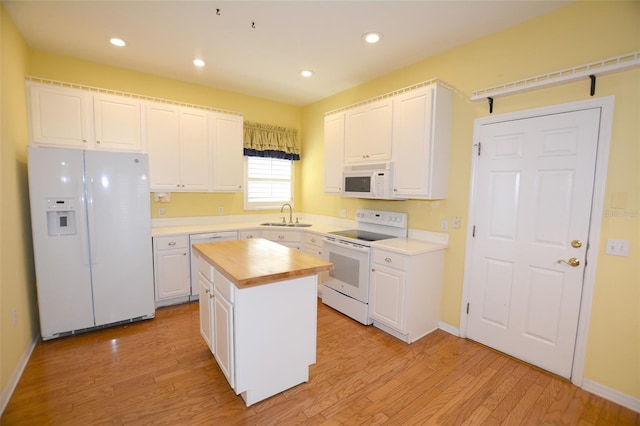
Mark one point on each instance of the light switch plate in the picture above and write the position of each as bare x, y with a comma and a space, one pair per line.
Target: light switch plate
617, 247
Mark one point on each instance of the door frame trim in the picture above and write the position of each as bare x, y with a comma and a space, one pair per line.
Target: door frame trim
606, 105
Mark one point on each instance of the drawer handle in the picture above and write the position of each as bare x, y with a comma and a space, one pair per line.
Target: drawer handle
281, 236
313, 240
248, 237
172, 243
388, 260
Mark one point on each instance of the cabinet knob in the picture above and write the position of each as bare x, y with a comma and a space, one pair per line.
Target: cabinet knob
84, 141
281, 236
248, 237
172, 243
97, 141
388, 260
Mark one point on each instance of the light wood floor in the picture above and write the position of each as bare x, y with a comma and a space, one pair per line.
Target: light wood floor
160, 372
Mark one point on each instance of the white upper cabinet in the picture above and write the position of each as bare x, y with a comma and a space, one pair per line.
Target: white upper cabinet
195, 151
421, 140
179, 152
74, 118
59, 116
368, 132
225, 135
163, 143
333, 152
117, 123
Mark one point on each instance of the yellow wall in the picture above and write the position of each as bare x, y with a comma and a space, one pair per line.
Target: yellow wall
561, 39
577, 34
17, 286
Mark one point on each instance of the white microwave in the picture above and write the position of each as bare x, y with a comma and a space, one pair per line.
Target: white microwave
373, 181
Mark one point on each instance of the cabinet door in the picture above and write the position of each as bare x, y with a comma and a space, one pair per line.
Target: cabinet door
368, 132
380, 130
59, 116
172, 274
206, 305
421, 138
223, 335
163, 143
387, 297
356, 135
225, 132
117, 123
333, 152
195, 155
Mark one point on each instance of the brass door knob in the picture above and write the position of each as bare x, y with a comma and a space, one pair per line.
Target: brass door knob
571, 262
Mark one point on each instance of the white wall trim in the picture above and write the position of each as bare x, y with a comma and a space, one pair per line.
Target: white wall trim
606, 105
7, 391
449, 328
612, 395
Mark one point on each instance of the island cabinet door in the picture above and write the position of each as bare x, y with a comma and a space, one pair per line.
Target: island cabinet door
206, 302
223, 335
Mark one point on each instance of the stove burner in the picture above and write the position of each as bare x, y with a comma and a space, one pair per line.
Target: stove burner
357, 234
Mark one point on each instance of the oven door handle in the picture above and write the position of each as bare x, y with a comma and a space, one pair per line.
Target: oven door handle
347, 245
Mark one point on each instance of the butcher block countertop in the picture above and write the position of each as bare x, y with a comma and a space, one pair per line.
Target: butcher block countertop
258, 261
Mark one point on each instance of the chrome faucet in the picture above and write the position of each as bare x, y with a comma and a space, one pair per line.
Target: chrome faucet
290, 211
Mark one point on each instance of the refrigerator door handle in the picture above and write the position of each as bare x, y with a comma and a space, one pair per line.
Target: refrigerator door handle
90, 220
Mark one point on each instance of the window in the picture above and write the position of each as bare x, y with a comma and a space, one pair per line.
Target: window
268, 182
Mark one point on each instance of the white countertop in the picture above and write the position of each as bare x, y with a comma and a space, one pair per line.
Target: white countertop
408, 246
426, 241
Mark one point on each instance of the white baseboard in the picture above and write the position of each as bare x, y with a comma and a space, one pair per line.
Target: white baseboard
612, 395
7, 391
449, 328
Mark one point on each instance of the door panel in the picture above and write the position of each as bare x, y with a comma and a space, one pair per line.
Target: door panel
535, 181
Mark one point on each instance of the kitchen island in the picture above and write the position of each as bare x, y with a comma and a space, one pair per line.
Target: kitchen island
258, 313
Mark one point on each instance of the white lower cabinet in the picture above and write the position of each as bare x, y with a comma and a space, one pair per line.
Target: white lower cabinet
292, 239
171, 272
313, 247
405, 292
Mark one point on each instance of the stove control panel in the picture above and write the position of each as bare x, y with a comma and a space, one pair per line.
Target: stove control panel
379, 217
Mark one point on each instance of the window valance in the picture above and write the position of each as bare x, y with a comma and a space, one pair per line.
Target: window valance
264, 140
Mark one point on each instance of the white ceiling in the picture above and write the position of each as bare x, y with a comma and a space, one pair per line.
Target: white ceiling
165, 36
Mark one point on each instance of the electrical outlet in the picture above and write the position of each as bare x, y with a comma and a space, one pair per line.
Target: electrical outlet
456, 222
617, 247
160, 211
343, 212
444, 225
220, 211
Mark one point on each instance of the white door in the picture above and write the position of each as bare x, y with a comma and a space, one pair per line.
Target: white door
119, 214
534, 181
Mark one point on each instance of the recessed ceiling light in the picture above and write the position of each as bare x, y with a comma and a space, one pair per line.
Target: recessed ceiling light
117, 42
198, 62
372, 37
306, 73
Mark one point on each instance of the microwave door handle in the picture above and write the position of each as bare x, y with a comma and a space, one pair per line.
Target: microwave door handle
349, 246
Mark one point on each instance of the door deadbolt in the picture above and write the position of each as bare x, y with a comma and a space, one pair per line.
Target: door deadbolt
571, 262
576, 243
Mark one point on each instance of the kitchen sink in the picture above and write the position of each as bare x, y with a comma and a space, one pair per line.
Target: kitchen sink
292, 225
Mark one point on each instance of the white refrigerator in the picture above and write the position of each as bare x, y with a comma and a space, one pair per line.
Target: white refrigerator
91, 226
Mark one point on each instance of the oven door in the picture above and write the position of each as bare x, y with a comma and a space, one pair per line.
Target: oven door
350, 273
